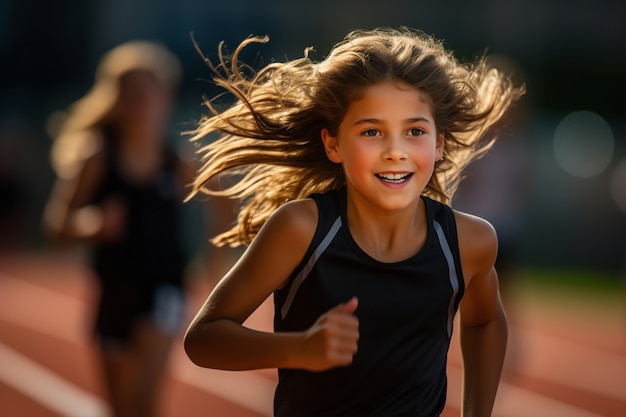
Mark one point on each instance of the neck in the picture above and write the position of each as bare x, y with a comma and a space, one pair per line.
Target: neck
388, 236
140, 156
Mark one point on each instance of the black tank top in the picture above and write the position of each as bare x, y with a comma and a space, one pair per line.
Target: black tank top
151, 249
405, 317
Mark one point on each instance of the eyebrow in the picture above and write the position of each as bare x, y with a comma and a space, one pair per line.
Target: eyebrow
378, 121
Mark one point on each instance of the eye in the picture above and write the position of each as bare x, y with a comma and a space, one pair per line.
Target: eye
415, 132
370, 133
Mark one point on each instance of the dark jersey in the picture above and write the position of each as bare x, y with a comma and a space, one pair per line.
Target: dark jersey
151, 247
405, 313
141, 274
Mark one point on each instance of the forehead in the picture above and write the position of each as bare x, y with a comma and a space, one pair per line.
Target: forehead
138, 77
390, 99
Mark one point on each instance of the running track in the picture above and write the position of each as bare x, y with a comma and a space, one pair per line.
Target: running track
566, 359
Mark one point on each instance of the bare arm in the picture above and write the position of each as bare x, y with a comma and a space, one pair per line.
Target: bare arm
483, 322
69, 214
216, 337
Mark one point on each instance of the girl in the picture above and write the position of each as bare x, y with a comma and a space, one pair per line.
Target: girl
119, 188
346, 168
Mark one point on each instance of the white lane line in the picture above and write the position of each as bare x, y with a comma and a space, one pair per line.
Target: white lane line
259, 391
47, 388
25, 304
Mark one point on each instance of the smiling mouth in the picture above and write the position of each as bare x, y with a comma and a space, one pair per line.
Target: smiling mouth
394, 178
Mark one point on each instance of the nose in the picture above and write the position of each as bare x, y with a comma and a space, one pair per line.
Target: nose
394, 148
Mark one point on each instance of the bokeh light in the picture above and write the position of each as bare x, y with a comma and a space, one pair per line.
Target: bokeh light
583, 144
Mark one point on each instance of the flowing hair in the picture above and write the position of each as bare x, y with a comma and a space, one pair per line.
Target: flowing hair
269, 148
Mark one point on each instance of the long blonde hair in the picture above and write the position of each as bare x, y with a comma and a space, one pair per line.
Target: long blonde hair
269, 146
77, 130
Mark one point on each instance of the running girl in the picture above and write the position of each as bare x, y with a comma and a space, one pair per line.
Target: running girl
346, 168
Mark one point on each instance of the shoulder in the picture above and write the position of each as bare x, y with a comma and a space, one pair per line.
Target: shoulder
297, 218
478, 243
283, 240
474, 227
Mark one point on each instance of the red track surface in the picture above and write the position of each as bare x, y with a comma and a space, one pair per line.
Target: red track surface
566, 359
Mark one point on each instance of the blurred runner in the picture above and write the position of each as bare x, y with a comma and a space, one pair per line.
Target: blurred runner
120, 188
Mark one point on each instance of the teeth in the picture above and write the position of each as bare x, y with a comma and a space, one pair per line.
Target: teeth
393, 177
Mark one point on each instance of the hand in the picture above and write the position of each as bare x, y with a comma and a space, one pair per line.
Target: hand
333, 340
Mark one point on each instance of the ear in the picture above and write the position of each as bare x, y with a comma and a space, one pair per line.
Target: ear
331, 146
439, 146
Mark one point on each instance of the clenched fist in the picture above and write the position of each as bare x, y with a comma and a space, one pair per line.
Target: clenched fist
333, 339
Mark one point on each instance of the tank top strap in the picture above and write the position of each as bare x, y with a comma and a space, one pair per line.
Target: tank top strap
329, 206
443, 223
329, 223
442, 214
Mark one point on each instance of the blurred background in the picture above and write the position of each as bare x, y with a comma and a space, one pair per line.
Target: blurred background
571, 57
554, 185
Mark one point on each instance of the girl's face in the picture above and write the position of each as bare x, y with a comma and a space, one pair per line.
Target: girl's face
387, 144
143, 102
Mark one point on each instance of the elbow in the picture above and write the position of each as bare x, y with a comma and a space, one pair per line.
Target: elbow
190, 346
195, 348
205, 345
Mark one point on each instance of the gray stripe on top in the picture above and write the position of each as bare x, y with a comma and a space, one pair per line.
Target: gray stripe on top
454, 280
299, 279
